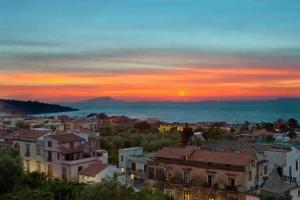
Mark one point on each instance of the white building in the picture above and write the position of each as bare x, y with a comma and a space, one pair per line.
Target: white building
286, 161
68, 154
125, 153
95, 172
31, 146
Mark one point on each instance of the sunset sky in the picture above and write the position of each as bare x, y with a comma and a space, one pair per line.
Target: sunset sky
180, 50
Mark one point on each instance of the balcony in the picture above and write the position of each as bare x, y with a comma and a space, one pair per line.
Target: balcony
76, 162
230, 187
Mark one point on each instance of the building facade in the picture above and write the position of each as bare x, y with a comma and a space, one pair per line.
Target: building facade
197, 174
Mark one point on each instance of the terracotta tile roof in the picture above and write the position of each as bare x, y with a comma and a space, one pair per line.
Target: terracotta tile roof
29, 134
208, 156
174, 152
93, 169
64, 138
221, 157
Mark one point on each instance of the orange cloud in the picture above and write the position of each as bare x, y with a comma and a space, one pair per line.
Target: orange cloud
185, 84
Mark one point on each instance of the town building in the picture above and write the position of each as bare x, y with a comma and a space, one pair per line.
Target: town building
200, 174
286, 161
68, 154
96, 171
276, 189
31, 147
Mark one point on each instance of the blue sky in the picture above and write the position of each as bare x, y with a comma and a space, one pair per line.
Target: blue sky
231, 25
146, 36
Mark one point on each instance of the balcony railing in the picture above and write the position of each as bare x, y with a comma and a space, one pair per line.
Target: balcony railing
74, 162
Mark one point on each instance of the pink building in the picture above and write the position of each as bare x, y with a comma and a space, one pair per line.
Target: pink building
68, 154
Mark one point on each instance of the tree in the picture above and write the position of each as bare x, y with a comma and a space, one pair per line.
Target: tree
268, 126
214, 133
151, 195
22, 125
34, 179
142, 126
11, 168
186, 134
108, 189
292, 134
92, 115
293, 123
102, 116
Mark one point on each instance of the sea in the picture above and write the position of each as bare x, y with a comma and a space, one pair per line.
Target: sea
191, 112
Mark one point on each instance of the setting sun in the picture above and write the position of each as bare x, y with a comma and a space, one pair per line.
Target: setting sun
181, 93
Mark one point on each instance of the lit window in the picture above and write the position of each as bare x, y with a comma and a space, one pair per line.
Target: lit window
27, 165
50, 172
169, 174
38, 166
186, 196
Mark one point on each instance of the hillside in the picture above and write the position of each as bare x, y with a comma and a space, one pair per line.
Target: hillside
30, 107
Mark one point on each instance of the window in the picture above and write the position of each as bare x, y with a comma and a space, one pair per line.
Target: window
38, 150
27, 162
231, 182
64, 173
186, 196
187, 177
169, 193
210, 180
265, 169
38, 166
133, 166
58, 156
160, 174
49, 144
122, 159
49, 156
50, 173
290, 171
27, 150
79, 169
17, 146
169, 174
99, 154
151, 172
297, 165
250, 175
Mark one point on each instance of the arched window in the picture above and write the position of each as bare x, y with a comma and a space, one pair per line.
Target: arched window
17, 146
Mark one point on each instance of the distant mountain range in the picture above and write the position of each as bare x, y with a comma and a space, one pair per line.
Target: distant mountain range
109, 100
102, 100
30, 107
